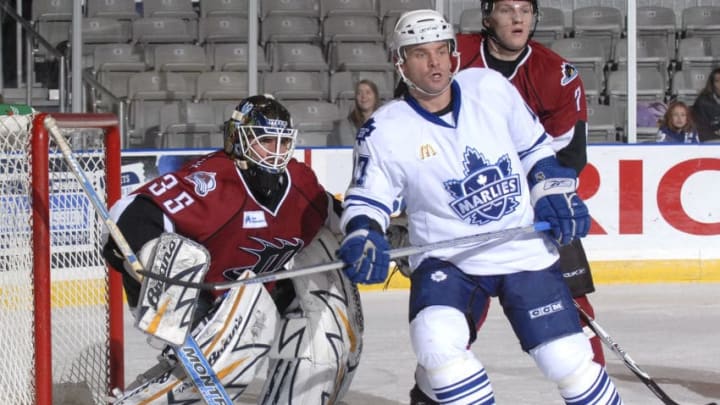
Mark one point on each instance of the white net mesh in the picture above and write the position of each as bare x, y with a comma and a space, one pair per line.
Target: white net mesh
79, 292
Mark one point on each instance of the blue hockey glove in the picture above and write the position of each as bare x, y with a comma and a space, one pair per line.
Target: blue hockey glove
552, 190
365, 251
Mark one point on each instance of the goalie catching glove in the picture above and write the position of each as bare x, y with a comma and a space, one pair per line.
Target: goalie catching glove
552, 191
365, 251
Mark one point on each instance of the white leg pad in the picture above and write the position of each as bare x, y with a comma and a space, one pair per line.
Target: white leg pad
235, 339
317, 349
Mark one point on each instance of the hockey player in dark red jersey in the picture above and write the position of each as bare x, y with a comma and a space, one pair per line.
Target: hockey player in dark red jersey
253, 208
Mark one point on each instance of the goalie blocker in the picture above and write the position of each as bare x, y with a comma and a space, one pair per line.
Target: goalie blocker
309, 329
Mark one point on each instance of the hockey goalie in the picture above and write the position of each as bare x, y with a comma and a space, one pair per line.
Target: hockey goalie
246, 210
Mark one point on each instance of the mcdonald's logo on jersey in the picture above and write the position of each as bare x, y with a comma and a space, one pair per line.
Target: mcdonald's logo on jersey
426, 151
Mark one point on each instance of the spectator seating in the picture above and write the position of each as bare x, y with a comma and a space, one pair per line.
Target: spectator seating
602, 124
393, 8
329, 8
314, 120
550, 26
116, 9
604, 24
299, 57
188, 125
687, 83
216, 28
351, 28
651, 53
697, 52
52, 10
585, 54
701, 21
360, 56
650, 87
317, 49
148, 30
182, 9
471, 20
283, 28
96, 30
654, 21
234, 57
297, 85
148, 92
224, 8
342, 86
113, 65
299, 8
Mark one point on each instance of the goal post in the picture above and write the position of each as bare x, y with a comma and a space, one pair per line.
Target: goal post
61, 307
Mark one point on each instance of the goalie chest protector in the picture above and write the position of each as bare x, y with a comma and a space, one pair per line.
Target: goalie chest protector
207, 200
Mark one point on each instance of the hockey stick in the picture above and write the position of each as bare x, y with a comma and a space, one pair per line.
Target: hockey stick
193, 360
642, 375
338, 264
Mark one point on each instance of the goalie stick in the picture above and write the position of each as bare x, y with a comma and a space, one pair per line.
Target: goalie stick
642, 375
338, 264
192, 358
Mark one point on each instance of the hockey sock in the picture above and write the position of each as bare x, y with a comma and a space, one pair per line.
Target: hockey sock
595, 342
589, 385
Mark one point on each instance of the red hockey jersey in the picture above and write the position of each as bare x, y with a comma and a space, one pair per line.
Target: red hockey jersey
208, 201
549, 84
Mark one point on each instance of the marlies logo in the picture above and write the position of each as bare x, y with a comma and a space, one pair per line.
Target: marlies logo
426, 151
204, 182
488, 192
546, 310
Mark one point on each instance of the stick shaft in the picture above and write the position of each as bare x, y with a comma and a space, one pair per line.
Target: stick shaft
615, 348
338, 264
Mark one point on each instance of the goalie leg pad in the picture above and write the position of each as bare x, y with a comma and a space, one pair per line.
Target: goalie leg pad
318, 347
236, 337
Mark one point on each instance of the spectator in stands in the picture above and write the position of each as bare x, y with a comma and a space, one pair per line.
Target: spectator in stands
677, 126
367, 100
706, 109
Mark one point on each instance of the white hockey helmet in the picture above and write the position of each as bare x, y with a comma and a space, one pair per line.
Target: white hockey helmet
418, 27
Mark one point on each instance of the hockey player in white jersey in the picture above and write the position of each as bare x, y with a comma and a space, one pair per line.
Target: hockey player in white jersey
467, 156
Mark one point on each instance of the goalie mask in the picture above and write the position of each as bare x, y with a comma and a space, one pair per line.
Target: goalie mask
260, 132
419, 27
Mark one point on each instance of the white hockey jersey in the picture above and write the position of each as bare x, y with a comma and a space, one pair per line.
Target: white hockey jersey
458, 175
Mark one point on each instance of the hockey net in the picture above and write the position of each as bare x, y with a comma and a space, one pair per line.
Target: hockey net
60, 307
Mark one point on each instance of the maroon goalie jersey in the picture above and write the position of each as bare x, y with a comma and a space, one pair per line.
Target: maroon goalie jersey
549, 84
208, 201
